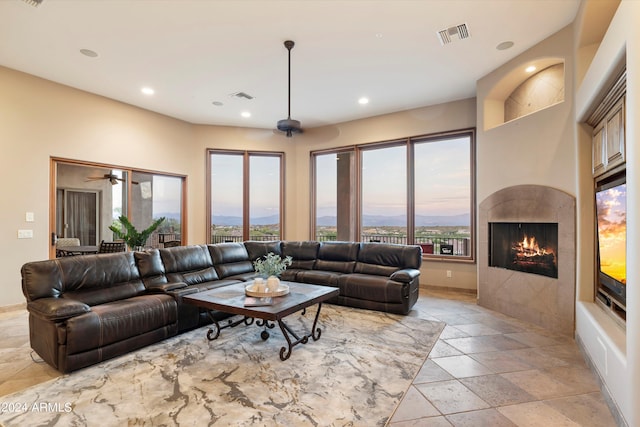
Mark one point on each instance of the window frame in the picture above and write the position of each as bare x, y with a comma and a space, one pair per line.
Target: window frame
409, 143
53, 188
246, 157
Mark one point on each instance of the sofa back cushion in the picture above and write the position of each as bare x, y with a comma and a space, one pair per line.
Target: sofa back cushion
189, 264
150, 267
257, 249
304, 254
383, 259
91, 279
230, 259
337, 256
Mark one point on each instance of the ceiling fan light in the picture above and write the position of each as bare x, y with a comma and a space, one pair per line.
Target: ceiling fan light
289, 126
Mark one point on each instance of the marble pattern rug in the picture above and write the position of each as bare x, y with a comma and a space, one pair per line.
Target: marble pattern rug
354, 375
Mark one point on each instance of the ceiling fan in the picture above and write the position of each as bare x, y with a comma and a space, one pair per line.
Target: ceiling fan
113, 179
288, 125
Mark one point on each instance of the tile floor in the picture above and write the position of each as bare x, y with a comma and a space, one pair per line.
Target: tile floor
486, 369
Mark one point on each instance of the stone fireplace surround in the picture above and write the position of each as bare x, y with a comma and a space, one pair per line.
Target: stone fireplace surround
544, 301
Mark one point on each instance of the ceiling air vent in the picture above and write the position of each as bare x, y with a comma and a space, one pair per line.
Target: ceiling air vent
459, 32
241, 95
34, 3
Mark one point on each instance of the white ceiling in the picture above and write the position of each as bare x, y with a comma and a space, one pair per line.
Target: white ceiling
195, 52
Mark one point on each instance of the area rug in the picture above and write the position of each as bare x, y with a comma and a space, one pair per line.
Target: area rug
354, 375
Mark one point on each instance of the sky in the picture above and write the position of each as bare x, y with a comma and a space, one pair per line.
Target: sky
611, 207
442, 180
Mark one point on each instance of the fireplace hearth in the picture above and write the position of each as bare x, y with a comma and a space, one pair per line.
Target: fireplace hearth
526, 247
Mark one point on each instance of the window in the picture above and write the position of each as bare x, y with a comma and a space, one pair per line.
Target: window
384, 194
334, 198
89, 197
418, 190
443, 195
245, 196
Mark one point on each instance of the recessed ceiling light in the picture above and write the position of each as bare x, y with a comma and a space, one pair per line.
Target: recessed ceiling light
363, 101
147, 90
88, 52
379, 35
505, 45
245, 114
530, 69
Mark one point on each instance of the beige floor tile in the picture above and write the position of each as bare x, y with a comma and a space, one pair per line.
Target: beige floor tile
414, 406
462, 366
533, 339
450, 332
500, 361
496, 390
452, 396
471, 345
535, 414
538, 383
476, 329
588, 410
537, 358
442, 349
578, 378
431, 372
482, 418
423, 422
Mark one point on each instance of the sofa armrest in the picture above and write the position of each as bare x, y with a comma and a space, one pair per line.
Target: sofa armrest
56, 309
405, 275
163, 288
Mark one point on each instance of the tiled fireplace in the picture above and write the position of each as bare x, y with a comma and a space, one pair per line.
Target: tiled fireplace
526, 255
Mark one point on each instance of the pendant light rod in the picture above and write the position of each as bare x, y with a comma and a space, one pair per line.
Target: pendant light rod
289, 45
288, 125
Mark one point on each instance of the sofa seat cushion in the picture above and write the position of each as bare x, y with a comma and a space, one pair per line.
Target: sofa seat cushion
116, 321
372, 288
318, 277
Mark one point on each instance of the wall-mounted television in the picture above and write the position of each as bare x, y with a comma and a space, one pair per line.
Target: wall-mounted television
611, 221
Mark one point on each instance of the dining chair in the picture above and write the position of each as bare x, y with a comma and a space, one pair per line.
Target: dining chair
111, 247
172, 243
64, 242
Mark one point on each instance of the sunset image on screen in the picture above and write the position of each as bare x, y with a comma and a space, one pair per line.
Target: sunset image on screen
612, 231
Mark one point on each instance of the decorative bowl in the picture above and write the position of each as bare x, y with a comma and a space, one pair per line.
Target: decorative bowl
251, 290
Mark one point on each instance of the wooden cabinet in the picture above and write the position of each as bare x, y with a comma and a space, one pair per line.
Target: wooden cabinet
609, 140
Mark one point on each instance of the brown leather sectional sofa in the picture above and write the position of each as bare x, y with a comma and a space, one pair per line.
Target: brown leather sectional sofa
86, 309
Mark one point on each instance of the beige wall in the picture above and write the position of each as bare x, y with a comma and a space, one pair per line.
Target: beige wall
41, 119
614, 351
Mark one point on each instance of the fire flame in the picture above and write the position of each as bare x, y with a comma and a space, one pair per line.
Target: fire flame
529, 247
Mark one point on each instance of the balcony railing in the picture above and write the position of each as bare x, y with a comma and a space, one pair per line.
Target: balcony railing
218, 238
438, 245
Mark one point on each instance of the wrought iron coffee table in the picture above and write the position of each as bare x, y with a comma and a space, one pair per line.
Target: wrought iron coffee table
231, 299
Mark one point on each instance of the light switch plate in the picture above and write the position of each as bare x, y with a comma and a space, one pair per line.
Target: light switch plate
29, 217
25, 234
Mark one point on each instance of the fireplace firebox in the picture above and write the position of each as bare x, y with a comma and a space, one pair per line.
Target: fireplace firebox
526, 247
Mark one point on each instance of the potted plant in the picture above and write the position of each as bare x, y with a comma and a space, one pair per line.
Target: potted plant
271, 267
134, 239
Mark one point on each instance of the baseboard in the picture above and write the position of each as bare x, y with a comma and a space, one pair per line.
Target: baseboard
13, 307
613, 407
448, 289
